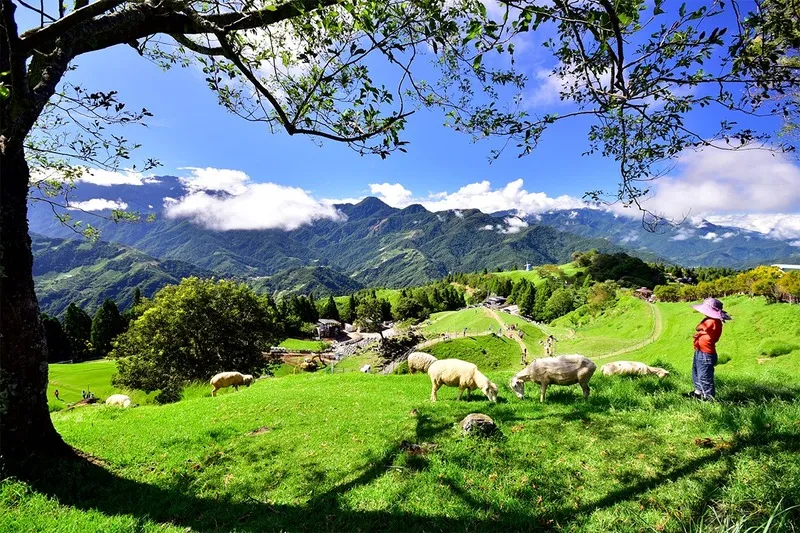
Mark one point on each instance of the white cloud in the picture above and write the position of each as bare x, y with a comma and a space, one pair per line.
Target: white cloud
783, 226
98, 204
393, 194
216, 179
487, 227
479, 195
512, 196
107, 178
459, 214
719, 182
248, 205
515, 225
682, 234
709, 236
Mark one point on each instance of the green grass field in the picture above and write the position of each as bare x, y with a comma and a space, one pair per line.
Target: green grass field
628, 323
294, 345
94, 376
569, 269
330, 452
476, 320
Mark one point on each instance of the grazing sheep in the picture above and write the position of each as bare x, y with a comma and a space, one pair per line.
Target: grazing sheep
119, 400
561, 370
230, 379
461, 374
420, 362
632, 368
366, 368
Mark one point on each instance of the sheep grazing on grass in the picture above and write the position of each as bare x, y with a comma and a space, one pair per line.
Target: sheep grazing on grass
420, 362
561, 370
632, 368
119, 400
366, 368
461, 374
230, 379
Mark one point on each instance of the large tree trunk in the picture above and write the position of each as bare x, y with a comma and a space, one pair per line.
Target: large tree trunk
25, 426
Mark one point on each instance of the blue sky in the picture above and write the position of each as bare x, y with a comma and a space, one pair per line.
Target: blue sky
442, 169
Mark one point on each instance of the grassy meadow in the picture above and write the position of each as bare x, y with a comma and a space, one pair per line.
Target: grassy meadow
350, 451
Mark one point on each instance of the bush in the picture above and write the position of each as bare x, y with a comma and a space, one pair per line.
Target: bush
775, 347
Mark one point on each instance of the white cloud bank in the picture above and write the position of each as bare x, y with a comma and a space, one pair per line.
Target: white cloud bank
718, 182
98, 204
479, 195
244, 204
108, 178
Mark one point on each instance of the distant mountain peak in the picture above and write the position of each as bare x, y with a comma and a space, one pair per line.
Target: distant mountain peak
368, 207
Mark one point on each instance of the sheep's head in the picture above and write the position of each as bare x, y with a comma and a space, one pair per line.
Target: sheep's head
248, 379
518, 386
491, 391
660, 372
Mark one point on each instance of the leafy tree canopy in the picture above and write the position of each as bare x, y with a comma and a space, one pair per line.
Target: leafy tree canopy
194, 330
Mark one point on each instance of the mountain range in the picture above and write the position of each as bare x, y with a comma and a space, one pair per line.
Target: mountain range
371, 244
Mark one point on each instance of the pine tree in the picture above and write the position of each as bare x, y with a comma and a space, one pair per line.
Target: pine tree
329, 309
78, 329
58, 348
137, 297
106, 325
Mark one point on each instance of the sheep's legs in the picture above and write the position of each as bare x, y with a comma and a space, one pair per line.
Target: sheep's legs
544, 391
434, 389
214, 391
460, 393
585, 387
236, 388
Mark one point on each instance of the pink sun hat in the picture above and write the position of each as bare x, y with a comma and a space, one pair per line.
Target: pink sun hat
712, 308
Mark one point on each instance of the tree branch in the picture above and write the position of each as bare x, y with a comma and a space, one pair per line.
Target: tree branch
197, 47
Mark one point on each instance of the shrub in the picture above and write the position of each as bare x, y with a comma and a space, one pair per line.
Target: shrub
775, 347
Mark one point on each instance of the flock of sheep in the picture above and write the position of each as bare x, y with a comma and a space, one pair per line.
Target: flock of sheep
561, 370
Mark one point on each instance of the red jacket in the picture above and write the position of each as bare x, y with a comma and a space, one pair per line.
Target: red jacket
708, 333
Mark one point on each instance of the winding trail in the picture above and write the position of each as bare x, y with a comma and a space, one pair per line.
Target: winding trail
658, 328
493, 314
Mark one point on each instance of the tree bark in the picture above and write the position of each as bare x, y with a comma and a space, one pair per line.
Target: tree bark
25, 426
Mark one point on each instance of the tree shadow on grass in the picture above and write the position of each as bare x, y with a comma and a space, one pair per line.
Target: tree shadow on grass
86, 484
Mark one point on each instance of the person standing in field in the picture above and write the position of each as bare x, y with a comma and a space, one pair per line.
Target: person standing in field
709, 331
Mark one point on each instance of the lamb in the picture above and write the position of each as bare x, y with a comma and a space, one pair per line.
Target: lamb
632, 368
230, 379
461, 374
420, 362
119, 400
561, 370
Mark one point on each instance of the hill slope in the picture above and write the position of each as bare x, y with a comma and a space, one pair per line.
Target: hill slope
87, 273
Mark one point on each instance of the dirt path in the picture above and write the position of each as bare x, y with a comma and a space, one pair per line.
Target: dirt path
658, 328
493, 314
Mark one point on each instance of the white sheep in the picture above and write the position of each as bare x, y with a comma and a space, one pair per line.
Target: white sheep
561, 370
420, 362
632, 368
365, 369
461, 374
230, 379
119, 400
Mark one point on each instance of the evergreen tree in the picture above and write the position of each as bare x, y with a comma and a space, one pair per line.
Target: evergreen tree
106, 325
78, 329
527, 300
329, 309
137, 297
58, 348
349, 314
543, 294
